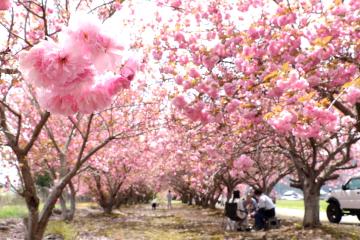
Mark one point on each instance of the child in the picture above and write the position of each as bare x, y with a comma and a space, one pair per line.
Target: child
154, 204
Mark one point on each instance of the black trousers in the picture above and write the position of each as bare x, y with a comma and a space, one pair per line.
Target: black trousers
262, 215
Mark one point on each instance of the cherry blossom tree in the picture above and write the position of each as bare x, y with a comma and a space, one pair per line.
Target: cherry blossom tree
270, 164
63, 81
285, 64
116, 170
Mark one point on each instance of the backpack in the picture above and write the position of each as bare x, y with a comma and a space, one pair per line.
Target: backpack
230, 211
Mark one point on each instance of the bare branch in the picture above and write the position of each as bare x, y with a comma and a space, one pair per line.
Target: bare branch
45, 116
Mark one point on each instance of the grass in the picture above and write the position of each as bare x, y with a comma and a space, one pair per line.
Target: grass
81, 205
66, 230
339, 233
19, 210
13, 211
298, 204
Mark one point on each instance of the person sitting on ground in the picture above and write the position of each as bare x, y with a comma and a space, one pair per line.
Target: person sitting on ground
266, 209
250, 204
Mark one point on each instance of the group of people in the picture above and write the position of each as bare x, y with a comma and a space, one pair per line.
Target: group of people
169, 198
254, 204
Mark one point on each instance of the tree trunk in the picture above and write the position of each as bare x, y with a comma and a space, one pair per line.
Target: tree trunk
71, 213
31, 199
205, 202
312, 208
120, 199
230, 190
50, 204
108, 208
190, 199
68, 214
197, 201
213, 202
185, 198
36, 223
64, 209
215, 199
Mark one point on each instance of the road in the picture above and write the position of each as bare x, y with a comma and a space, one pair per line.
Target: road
297, 213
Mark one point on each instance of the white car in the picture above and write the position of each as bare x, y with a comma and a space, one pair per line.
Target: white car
345, 201
291, 195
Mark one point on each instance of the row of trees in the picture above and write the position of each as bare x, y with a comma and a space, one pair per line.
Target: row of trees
212, 160
286, 70
60, 105
259, 90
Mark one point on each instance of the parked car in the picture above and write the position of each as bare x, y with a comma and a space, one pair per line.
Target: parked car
291, 195
345, 201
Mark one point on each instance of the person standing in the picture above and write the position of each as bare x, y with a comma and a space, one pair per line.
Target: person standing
266, 209
169, 199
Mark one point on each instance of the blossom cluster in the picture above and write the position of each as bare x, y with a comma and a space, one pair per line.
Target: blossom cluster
5, 5
74, 74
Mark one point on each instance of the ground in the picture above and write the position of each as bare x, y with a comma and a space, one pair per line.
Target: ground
181, 222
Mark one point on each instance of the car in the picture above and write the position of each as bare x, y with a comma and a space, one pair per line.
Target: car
344, 201
291, 195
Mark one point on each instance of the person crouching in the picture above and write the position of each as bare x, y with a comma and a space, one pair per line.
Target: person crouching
266, 209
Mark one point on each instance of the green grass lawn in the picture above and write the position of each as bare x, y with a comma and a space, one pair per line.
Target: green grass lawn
13, 211
298, 204
19, 210
16, 210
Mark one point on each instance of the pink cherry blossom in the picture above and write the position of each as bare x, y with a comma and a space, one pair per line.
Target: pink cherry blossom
118, 6
243, 162
194, 114
233, 105
300, 84
179, 102
347, 121
284, 122
5, 4
114, 84
87, 35
93, 99
352, 95
179, 80
129, 69
193, 73
183, 60
210, 61
65, 71
54, 66
157, 54
229, 89
58, 104
179, 37
175, 3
